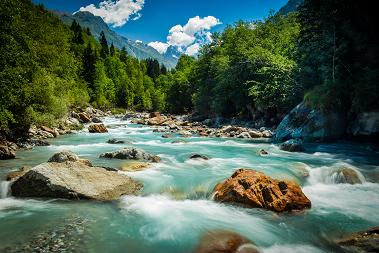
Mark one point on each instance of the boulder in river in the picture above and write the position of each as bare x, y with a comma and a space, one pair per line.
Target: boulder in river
97, 128
198, 156
292, 146
131, 154
84, 117
115, 141
362, 242
96, 120
220, 241
68, 156
73, 180
311, 125
346, 175
254, 189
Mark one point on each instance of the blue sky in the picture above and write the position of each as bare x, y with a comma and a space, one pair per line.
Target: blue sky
151, 20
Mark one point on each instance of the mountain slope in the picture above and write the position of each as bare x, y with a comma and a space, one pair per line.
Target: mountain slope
290, 6
97, 25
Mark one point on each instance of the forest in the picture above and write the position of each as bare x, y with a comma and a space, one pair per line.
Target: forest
253, 70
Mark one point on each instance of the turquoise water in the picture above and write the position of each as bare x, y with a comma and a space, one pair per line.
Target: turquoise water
175, 207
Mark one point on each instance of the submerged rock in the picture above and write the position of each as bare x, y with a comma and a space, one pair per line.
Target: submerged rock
362, 242
256, 190
166, 136
292, 146
73, 180
220, 241
131, 154
135, 166
97, 128
115, 141
263, 152
198, 156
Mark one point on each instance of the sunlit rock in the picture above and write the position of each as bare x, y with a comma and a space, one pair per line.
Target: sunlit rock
254, 189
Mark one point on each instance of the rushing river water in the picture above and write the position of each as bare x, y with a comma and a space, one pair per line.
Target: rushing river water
175, 207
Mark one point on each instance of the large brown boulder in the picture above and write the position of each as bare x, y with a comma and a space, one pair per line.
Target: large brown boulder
156, 121
54, 132
73, 180
66, 155
97, 128
84, 117
362, 242
220, 241
254, 189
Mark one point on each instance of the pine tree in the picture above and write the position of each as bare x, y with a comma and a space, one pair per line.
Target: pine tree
89, 61
123, 54
112, 50
104, 52
88, 31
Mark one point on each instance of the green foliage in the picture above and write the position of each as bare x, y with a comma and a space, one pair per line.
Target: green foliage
37, 68
338, 55
249, 67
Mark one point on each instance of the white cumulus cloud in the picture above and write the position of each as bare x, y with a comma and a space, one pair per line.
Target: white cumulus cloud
190, 37
193, 49
116, 12
159, 46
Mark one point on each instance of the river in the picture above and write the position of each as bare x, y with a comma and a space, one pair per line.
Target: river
176, 207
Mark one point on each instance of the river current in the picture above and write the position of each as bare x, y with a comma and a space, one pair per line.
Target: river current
175, 207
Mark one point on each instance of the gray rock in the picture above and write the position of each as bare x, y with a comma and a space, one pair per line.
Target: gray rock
130, 154
68, 156
292, 146
64, 156
310, 125
73, 180
115, 141
366, 124
96, 120
362, 242
198, 156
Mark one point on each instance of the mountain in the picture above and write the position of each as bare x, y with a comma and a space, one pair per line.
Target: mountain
137, 49
290, 6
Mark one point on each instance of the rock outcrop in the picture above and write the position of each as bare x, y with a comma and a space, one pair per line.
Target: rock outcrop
310, 125
73, 180
362, 242
131, 154
7, 152
254, 189
220, 241
97, 128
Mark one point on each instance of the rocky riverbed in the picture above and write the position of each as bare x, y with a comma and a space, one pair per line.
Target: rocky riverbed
195, 196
